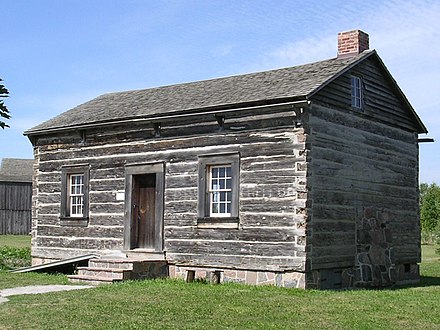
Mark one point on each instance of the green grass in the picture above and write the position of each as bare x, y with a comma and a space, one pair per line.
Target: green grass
15, 241
15, 251
171, 304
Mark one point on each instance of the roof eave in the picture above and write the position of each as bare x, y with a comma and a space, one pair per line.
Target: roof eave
297, 101
346, 68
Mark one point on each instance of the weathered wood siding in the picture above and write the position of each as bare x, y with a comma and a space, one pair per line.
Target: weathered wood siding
15, 208
363, 179
271, 232
381, 101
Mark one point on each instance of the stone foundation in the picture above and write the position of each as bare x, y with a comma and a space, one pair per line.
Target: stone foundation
252, 277
41, 261
375, 258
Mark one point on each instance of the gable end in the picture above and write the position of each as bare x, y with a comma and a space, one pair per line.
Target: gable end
382, 98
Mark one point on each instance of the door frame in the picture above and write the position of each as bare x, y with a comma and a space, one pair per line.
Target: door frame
132, 170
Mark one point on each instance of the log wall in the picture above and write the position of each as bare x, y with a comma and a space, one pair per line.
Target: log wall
363, 186
272, 184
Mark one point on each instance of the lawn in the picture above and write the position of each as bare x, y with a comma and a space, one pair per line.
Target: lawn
15, 241
171, 304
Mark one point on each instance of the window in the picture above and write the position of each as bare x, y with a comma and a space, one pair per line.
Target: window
356, 92
218, 188
74, 195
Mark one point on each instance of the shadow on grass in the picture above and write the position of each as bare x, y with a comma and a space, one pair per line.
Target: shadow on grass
428, 281
425, 281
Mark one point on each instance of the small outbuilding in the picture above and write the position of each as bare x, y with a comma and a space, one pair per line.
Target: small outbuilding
15, 196
303, 177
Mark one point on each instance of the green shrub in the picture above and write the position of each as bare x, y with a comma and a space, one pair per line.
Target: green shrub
11, 258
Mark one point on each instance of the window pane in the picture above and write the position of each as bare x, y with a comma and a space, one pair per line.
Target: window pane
76, 199
220, 187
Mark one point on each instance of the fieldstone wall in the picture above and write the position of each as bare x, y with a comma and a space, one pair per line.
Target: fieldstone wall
375, 260
252, 277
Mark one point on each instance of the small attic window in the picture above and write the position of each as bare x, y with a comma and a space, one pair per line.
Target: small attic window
356, 92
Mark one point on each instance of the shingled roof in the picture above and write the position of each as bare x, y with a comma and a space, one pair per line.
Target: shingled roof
293, 83
16, 170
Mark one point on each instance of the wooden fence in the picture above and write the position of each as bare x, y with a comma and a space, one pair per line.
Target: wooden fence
15, 208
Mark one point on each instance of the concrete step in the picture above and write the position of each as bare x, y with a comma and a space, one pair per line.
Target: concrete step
125, 263
110, 270
93, 280
145, 254
113, 273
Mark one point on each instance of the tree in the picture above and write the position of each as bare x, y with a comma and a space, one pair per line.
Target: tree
430, 207
423, 189
4, 112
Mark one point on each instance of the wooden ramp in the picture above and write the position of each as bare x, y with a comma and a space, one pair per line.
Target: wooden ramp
63, 266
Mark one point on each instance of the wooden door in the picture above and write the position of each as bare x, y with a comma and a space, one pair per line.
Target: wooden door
144, 220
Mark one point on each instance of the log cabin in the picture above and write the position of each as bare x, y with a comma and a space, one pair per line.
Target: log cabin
302, 177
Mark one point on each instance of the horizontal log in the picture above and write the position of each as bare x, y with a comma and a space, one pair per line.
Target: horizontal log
245, 234
49, 198
48, 219
237, 261
102, 208
91, 231
233, 248
332, 261
79, 242
107, 185
181, 206
276, 219
106, 220
270, 205
333, 212
180, 219
59, 253
49, 187
274, 138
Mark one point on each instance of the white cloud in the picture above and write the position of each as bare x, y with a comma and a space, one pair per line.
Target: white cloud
406, 35
304, 51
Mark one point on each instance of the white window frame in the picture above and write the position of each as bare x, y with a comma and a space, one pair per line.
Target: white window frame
357, 97
76, 195
216, 192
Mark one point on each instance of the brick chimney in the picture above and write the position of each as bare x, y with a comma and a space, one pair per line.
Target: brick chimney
352, 43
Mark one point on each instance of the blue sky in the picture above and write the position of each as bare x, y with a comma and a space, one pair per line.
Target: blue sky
57, 54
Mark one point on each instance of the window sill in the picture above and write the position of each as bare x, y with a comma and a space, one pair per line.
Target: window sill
218, 223
74, 222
